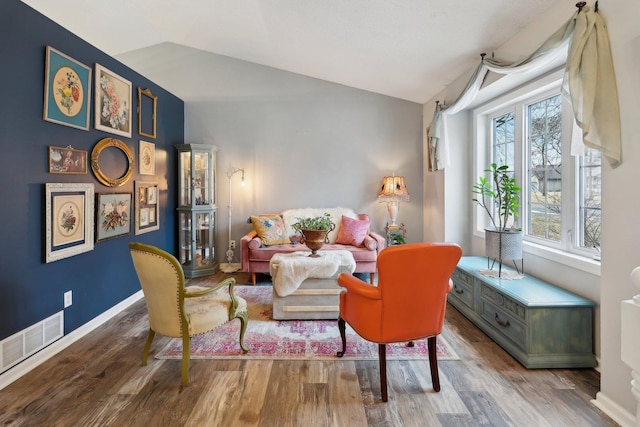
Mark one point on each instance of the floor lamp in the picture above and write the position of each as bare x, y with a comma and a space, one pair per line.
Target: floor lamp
230, 267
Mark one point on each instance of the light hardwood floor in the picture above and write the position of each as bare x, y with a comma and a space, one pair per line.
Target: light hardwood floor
98, 381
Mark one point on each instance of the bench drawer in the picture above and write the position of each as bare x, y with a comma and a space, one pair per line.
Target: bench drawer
462, 290
508, 325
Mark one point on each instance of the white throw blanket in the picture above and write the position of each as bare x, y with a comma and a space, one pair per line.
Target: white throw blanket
289, 270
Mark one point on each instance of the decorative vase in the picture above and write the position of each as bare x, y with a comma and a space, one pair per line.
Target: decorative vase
315, 239
503, 245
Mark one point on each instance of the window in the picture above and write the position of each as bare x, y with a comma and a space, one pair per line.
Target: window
543, 154
530, 130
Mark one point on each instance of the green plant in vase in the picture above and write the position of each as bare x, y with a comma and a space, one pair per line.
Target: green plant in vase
314, 231
499, 192
499, 196
314, 223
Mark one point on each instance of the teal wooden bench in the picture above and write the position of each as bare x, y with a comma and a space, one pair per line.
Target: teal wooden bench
539, 324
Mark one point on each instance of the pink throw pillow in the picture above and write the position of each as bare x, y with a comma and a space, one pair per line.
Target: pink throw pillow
353, 231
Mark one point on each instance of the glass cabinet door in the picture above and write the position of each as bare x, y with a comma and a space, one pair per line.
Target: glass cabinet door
196, 175
201, 185
205, 249
196, 240
185, 255
184, 184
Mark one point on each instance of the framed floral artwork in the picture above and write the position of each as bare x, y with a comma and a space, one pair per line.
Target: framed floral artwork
112, 102
147, 207
69, 220
67, 160
113, 217
147, 158
67, 90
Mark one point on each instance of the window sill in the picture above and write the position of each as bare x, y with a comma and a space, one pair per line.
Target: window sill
583, 263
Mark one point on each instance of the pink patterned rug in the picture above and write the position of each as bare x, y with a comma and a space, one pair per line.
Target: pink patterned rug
291, 339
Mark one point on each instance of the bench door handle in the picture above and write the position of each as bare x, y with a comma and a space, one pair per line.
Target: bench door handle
500, 322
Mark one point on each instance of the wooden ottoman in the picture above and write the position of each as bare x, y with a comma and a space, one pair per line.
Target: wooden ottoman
315, 298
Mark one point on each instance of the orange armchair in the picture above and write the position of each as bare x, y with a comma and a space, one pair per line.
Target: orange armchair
408, 304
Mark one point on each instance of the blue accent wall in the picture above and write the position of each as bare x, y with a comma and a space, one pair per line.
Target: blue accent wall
30, 289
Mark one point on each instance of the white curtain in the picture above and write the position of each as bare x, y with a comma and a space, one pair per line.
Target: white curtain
589, 83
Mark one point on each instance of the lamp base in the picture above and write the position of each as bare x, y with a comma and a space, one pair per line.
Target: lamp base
392, 208
229, 267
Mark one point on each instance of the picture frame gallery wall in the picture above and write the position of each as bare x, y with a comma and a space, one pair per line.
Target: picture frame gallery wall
46, 166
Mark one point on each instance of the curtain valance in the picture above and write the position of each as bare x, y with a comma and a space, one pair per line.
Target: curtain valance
589, 82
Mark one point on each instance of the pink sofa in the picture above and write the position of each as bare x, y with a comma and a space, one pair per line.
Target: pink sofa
256, 255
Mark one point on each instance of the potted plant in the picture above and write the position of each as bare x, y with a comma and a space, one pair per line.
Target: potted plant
314, 231
499, 196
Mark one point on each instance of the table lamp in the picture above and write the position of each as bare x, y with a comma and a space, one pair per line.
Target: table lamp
392, 191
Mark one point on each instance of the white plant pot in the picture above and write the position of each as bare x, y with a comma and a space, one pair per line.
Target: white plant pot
503, 245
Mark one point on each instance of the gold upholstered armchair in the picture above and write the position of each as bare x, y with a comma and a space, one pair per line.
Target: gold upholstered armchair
178, 311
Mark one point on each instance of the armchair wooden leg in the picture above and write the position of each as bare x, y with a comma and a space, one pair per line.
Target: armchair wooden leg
343, 336
433, 363
244, 321
253, 278
372, 278
382, 355
186, 352
147, 346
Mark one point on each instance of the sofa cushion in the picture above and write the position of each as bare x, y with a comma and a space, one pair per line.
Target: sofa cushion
270, 229
255, 243
370, 243
353, 231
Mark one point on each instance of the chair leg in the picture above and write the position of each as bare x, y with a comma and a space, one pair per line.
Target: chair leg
253, 278
343, 336
372, 278
244, 321
433, 363
382, 355
147, 346
186, 352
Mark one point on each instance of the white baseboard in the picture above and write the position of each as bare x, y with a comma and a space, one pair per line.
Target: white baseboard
616, 412
56, 347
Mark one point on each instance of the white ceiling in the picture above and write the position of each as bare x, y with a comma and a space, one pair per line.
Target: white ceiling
409, 49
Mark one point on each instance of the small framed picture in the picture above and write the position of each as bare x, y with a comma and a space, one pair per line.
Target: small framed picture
147, 104
113, 215
152, 195
112, 102
69, 220
67, 160
67, 90
147, 207
144, 217
147, 158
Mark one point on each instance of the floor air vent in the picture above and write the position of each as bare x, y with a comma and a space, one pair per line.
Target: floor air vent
23, 344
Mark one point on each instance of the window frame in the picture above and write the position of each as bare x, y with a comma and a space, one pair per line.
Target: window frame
517, 101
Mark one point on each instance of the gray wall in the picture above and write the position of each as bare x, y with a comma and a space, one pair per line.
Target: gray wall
303, 142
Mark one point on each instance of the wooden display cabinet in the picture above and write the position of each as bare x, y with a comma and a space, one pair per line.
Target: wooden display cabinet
197, 209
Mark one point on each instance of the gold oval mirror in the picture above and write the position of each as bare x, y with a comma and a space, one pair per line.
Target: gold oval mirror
95, 162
